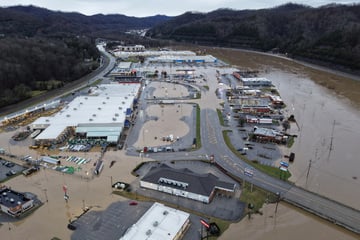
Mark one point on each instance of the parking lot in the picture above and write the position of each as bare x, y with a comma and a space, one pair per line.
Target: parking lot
113, 222
8, 169
226, 208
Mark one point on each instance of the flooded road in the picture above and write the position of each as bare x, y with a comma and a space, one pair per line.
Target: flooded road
327, 109
328, 135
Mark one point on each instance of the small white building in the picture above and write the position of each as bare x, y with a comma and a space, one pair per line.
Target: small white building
159, 222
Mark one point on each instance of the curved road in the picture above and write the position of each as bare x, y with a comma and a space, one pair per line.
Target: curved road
213, 143
108, 64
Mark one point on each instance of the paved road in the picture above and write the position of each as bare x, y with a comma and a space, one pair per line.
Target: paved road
213, 143
333, 211
108, 64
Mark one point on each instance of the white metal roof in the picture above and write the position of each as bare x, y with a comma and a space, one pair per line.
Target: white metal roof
256, 79
124, 65
191, 58
159, 222
109, 106
154, 53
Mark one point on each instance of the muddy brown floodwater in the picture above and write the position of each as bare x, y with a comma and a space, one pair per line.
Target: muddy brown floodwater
326, 106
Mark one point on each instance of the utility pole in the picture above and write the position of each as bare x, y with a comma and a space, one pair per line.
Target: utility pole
308, 171
332, 137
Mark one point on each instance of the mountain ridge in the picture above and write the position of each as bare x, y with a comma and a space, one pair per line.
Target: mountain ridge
329, 34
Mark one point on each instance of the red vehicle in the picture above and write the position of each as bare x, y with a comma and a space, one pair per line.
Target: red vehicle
133, 203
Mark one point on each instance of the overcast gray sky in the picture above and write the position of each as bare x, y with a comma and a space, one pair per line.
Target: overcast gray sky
141, 8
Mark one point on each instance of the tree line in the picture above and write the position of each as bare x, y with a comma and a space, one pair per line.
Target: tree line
328, 34
38, 64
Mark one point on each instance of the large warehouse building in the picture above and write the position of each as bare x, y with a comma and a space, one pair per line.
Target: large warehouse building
100, 115
183, 59
159, 222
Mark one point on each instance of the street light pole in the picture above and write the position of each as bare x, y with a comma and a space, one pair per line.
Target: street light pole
308, 171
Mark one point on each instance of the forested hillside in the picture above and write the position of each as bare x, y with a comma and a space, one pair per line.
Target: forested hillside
41, 50
328, 34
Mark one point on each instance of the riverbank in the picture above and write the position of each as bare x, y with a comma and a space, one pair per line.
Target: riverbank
342, 84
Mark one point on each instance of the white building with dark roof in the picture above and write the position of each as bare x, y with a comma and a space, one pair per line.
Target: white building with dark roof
185, 183
14, 203
159, 222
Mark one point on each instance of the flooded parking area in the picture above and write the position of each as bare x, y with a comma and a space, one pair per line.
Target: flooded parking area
328, 136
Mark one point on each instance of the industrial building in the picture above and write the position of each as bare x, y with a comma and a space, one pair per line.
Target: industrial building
100, 115
134, 48
256, 82
159, 222
185, 183
268, 135
124, 73
183, 59
122, 54
14, 203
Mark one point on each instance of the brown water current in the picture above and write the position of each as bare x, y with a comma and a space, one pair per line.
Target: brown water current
328, 135
326, 107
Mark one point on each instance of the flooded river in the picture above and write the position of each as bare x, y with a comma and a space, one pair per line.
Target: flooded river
328, 135
327, 109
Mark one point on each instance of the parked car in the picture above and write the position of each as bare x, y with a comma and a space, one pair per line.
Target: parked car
31, 170
11, 173
9, 164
